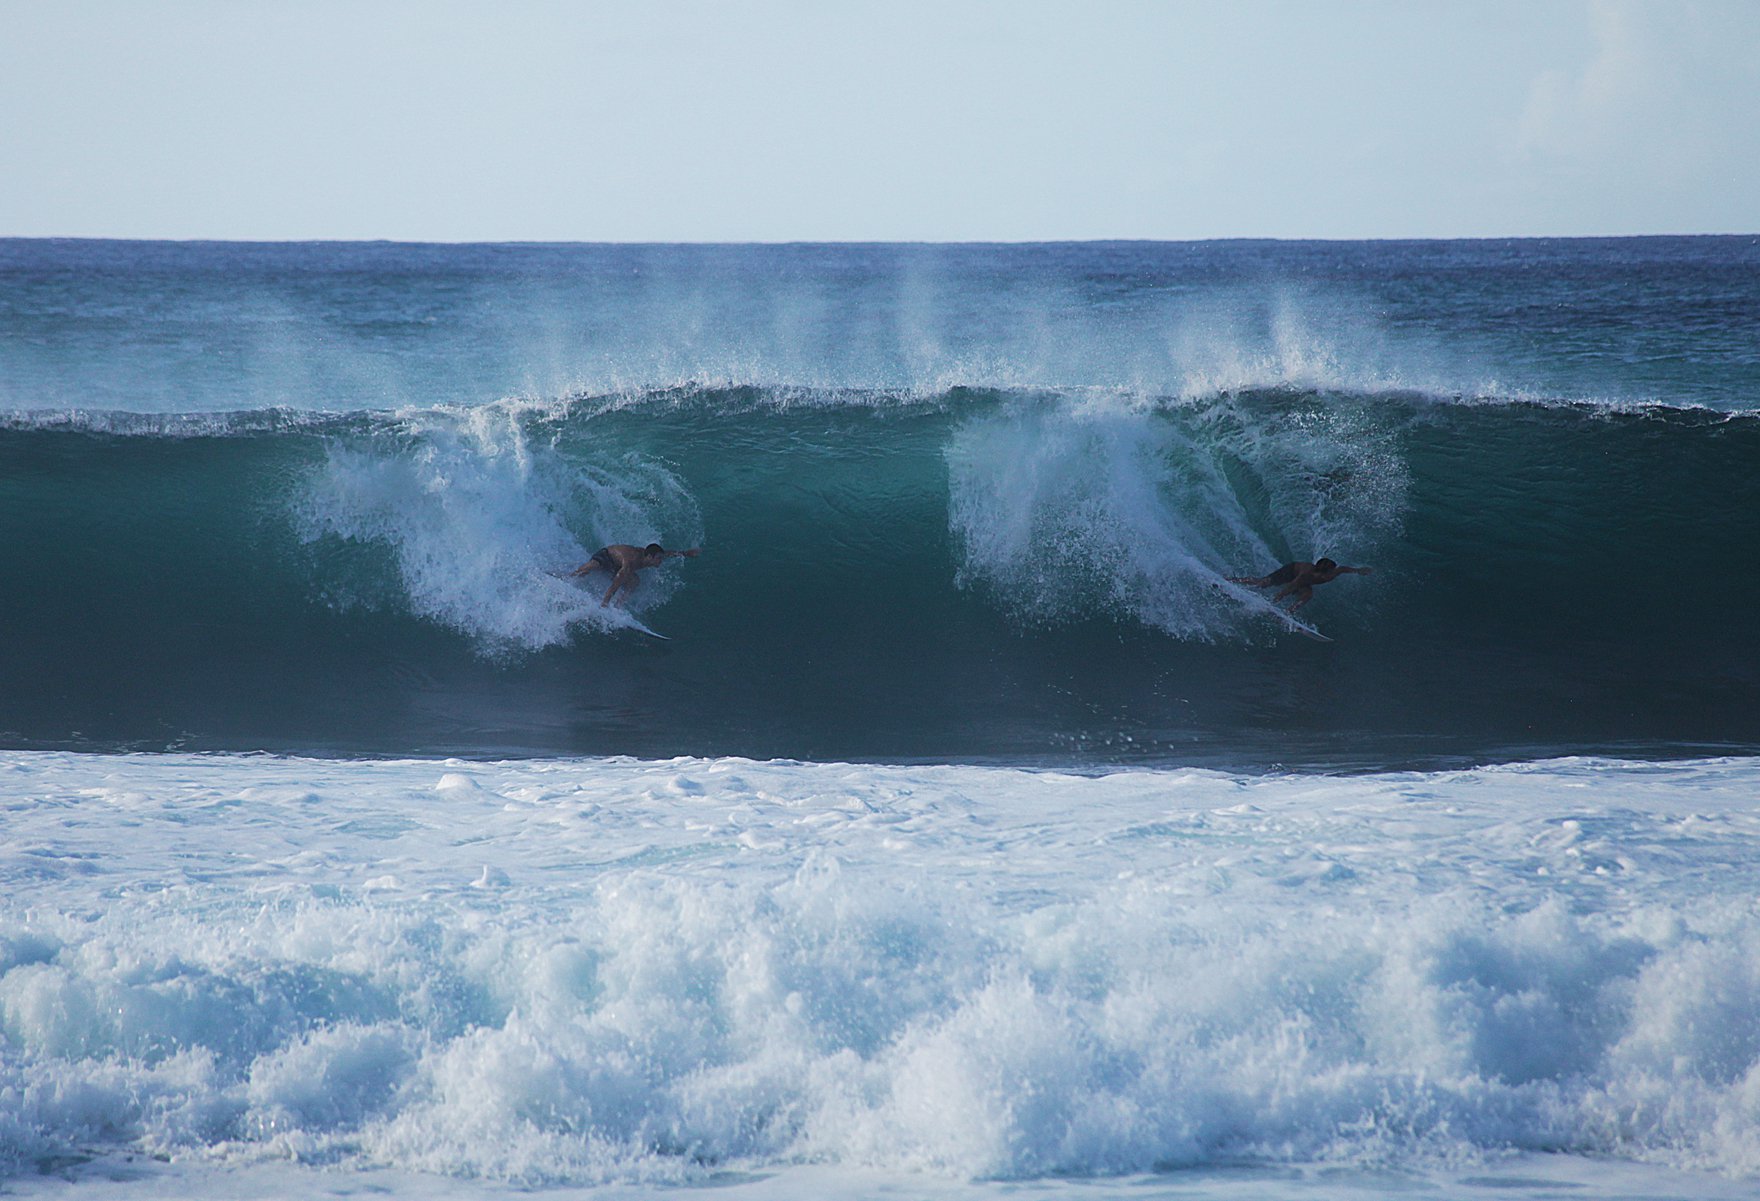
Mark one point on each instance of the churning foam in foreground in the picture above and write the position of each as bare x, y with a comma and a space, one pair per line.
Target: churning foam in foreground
618, 971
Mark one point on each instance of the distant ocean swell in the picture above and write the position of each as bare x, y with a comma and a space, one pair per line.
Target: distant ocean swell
226, 580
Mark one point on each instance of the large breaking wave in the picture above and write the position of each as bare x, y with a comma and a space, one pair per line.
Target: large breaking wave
968, 572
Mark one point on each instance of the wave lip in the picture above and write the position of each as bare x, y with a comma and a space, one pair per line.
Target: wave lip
215, 424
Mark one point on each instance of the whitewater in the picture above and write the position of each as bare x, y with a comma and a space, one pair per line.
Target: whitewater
971, 836
733, 973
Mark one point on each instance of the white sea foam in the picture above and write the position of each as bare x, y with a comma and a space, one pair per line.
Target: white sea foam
620, 974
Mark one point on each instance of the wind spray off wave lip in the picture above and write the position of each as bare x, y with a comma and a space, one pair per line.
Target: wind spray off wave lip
172, 327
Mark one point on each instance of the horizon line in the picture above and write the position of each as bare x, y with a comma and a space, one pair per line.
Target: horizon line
781, 242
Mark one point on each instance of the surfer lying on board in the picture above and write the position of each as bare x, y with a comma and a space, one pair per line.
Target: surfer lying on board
623, 561
1299, 579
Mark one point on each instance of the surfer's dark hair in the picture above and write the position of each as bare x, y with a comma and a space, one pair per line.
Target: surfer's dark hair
1322, 563
654, 548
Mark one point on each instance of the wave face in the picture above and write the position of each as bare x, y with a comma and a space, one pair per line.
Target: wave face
973, 575
957, 503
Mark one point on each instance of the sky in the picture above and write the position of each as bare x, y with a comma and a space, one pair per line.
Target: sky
896, 120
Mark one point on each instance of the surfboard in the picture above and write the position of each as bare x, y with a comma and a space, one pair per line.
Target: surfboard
1294, 625
620, 618
1298, 626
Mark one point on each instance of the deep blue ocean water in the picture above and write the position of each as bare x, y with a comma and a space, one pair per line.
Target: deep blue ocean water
957, 503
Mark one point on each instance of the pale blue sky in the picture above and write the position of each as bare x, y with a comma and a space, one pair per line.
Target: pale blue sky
953, 120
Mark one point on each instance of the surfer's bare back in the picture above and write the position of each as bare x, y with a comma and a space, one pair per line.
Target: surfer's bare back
623, 561
1299, 579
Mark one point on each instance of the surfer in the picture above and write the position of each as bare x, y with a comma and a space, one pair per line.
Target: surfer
624, 561
1299, 579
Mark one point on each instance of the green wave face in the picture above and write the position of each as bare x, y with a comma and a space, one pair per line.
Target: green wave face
1024, 575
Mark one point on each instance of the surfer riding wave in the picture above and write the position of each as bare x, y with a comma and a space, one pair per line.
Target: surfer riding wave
624, 561
1299, 579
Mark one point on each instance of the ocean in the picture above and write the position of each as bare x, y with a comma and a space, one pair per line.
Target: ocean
968, 832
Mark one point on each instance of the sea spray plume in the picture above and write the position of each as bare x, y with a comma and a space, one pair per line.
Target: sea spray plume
1332, 469
1068, 508
478, 517
372, 326
1063, 510
908, 319
1279, 336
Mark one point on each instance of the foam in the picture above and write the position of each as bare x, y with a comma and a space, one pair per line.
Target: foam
173, 424
690, 966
